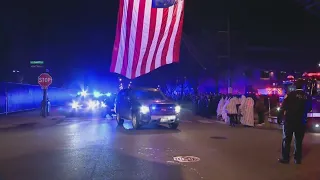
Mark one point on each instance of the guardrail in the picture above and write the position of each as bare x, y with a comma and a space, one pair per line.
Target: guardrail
23, 97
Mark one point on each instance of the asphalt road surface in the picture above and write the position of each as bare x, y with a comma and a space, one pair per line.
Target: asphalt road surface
89, 148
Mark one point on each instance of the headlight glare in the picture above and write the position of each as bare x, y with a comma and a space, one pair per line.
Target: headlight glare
103, 104
75, 105
84, 93
144, 109
177, 109
93, 104
278, 108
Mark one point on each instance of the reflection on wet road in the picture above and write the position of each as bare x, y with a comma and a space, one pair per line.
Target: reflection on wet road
99, 149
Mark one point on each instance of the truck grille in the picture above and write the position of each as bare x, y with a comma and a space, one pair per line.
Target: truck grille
162, 109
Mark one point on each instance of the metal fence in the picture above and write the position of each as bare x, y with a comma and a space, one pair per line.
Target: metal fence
22, 97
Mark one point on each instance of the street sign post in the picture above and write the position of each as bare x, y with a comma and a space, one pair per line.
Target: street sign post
44, 80
36, 64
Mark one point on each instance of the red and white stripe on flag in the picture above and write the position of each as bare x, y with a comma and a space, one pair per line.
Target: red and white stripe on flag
146, 38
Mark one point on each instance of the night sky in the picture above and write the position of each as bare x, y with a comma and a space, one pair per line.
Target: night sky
71, 34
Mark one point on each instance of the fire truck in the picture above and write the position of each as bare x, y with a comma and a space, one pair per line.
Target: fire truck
312, 85
273, 97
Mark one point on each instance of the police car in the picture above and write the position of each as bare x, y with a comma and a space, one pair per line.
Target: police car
88, 104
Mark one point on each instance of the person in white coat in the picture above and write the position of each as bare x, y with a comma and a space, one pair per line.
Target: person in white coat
248, 112
224, 110
220, 107
232, 110
241, 107
238, 106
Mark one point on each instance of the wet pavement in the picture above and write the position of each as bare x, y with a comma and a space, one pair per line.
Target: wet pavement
91, 148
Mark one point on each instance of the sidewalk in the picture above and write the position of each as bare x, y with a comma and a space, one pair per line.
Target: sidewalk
265, 126
31, 118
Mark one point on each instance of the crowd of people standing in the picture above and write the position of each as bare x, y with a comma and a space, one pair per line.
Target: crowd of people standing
205, 104
232, 109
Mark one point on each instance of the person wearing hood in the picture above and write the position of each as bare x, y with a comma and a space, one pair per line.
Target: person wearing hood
232, 110
224, 110
238, 110
241, 108
220, 107
247, 111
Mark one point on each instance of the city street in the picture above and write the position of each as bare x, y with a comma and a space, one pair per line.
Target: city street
89, 148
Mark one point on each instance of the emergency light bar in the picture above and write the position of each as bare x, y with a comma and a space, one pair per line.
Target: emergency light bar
311, 74
313, 115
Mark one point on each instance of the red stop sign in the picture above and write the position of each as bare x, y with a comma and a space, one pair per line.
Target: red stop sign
44, 80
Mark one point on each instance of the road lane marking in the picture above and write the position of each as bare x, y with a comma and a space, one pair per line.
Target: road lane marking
206, 121
72, 122
183, 159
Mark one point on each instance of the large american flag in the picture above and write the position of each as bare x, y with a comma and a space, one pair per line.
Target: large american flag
148, 36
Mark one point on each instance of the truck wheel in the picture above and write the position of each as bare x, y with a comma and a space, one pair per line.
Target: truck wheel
173, 125
135, 122
119, 120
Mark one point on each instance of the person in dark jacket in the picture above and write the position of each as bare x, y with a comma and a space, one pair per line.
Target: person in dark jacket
294, 110
260, 109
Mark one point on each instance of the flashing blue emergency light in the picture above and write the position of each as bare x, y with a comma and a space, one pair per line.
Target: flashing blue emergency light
97, 94
108, 94
83, 93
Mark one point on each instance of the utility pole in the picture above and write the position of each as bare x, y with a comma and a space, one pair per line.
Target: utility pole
228, 55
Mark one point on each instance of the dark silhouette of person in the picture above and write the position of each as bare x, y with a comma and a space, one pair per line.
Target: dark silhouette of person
295, 107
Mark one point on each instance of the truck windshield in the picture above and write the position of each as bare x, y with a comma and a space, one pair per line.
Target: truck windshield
148, 95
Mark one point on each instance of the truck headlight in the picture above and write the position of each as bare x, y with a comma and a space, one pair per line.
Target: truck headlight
103, 105
317, 125
144, 109
93, 104
278, 108
177, 109
75, 105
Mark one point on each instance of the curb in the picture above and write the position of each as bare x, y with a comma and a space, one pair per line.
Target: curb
262, 127
270, 127
56, 117
49, 121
